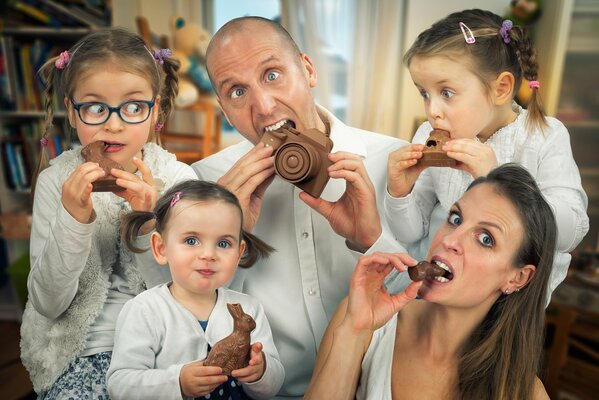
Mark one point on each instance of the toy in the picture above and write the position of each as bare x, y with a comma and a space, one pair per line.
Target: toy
233, 352
190, 43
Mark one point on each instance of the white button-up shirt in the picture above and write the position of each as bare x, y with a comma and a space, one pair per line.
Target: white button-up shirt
302, 282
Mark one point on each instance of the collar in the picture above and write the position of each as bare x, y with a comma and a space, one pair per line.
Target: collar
344, 138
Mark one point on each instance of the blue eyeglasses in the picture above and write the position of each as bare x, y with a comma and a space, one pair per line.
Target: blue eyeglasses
131, 112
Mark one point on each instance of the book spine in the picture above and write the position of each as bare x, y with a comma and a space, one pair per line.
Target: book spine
12, 165
22, 172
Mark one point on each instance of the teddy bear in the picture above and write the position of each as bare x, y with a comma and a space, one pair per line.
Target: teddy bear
190, 43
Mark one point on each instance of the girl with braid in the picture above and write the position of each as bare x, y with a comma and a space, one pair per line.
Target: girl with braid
117, 92
468, 68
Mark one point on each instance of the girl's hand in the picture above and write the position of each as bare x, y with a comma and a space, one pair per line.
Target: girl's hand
255, 370
476, 158
403, 169
77, 189
140, 193
370, 306
197, 380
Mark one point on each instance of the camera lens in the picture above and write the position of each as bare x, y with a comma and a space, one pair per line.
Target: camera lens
295, 162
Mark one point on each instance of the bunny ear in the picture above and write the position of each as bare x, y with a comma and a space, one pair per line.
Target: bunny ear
235, 309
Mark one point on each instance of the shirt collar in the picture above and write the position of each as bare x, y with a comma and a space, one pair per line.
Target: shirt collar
344, 137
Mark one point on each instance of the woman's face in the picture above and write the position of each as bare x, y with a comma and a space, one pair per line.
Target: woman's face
478, 243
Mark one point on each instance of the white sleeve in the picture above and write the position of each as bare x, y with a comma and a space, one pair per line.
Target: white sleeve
272, 380
59, 247
559, 180
132, 374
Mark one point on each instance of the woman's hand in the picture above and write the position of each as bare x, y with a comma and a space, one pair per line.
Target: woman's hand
141, 192
474, 157
370, 306
197, 380
403, 169
254, 371
77, 189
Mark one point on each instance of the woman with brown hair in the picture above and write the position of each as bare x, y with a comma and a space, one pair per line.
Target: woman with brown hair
474, 333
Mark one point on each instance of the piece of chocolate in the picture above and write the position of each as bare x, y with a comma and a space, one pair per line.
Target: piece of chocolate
433, 155
233, 352
94, 152
423, 269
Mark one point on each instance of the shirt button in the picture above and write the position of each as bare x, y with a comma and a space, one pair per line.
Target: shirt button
311, 292
305, 235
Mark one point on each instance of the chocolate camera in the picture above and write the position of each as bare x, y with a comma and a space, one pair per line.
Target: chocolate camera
301, 158
433, 155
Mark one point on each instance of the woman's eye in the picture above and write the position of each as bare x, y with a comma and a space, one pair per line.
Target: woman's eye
223, 244
485, 239
447, 93
454, 218
237, 93
271, 76
191, 241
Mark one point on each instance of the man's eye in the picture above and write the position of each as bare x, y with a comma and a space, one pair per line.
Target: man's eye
237, 93
271, 76
454, 218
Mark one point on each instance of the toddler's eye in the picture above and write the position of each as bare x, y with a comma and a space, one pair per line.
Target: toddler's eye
272, 75
447, 93
132, 108
223, 244
454, 218
485, 239
95, 108
191, 241
424, 94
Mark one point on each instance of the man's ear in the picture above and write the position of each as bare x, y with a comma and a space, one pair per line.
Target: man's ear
504, 88
521, 277
70, 112
158, 248
224, 112
309, 70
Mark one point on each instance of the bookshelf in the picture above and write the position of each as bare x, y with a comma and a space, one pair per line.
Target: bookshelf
31, 31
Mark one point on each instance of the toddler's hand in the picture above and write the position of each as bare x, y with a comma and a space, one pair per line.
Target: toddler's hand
403, 169
476, 158
141, 192
197, 380
76, 191
255, 370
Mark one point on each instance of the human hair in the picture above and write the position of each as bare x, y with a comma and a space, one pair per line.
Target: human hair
501, 358
243, 25
124, 50
195, 190
489, 56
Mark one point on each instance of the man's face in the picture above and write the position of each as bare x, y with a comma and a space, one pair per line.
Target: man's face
262, 84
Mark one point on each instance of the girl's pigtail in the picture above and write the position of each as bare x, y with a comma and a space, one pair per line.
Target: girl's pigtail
255, 248
169, 92
49, 74
131, 223
527, 56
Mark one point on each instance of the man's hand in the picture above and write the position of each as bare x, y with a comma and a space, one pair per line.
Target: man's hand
248, 179
354, 216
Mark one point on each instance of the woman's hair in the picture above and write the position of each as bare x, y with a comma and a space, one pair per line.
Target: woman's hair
125, 50
501, 358
195, 190
488, 56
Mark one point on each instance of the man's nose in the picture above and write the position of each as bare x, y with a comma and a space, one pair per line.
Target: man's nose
264, 102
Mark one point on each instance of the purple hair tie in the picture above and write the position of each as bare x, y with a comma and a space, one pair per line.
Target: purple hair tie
504, 30
534, 84
161, 54
158, 127
63, 60
176, 198
44, 142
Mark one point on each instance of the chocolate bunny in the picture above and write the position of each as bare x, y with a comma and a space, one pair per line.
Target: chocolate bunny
233, 352
94, 152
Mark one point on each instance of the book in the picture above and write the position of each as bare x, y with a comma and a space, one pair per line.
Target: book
22, 172
12, 166
35, 13
9, 65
